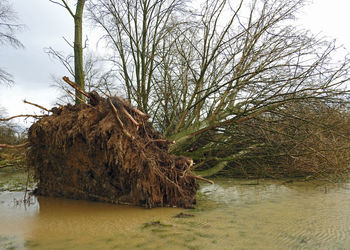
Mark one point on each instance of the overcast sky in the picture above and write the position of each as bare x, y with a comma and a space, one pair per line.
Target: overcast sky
47, 23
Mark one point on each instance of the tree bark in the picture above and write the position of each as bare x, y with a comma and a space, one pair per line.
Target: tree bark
78, 50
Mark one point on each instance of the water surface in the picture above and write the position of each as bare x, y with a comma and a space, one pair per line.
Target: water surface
232, 214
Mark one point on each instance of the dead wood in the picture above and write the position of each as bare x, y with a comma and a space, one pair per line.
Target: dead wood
75, 86
17, 116
36, 105
139, 112
72, 94
98, 153
121, 124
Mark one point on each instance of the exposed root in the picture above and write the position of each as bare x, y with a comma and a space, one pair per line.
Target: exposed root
131, 118
121, 124
95, 153
139, 112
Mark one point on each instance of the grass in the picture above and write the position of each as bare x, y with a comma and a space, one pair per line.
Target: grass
15, 179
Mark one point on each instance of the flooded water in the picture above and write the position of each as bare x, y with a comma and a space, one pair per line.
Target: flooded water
232, 214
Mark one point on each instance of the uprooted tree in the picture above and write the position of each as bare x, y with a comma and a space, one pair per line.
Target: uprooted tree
104, 150
212, 80
107, 151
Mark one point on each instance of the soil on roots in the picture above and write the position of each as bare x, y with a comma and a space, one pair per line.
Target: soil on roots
96, 152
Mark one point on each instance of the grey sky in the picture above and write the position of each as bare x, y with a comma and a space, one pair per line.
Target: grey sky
47, 23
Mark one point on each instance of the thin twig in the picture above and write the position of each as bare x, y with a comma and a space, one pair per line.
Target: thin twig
82, 101
36, 105
71, 45
27, 183
17, 116
64, 5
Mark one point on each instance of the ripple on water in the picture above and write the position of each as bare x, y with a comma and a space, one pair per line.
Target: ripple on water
230, 214
295, 215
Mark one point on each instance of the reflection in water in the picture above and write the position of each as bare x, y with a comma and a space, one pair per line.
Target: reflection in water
231, 214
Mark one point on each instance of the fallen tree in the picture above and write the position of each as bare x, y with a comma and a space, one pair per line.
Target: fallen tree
107, 151
301, 139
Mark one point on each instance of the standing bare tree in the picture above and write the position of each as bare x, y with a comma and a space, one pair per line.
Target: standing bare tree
78, 44
8, 29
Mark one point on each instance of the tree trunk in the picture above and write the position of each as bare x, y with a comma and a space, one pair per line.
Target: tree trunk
78, 50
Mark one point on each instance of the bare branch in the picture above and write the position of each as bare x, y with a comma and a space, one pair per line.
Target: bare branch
18, 116
69, 43
64, 5
36, 105
75, 86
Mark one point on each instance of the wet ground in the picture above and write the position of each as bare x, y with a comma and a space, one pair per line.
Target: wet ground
232, 214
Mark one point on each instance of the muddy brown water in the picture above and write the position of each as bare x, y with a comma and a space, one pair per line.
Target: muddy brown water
232, 214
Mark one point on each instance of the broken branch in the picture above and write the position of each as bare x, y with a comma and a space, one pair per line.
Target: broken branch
131, 118
126, 103
36, 105
75, 86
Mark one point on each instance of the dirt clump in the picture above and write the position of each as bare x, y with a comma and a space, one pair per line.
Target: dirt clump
107, 151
